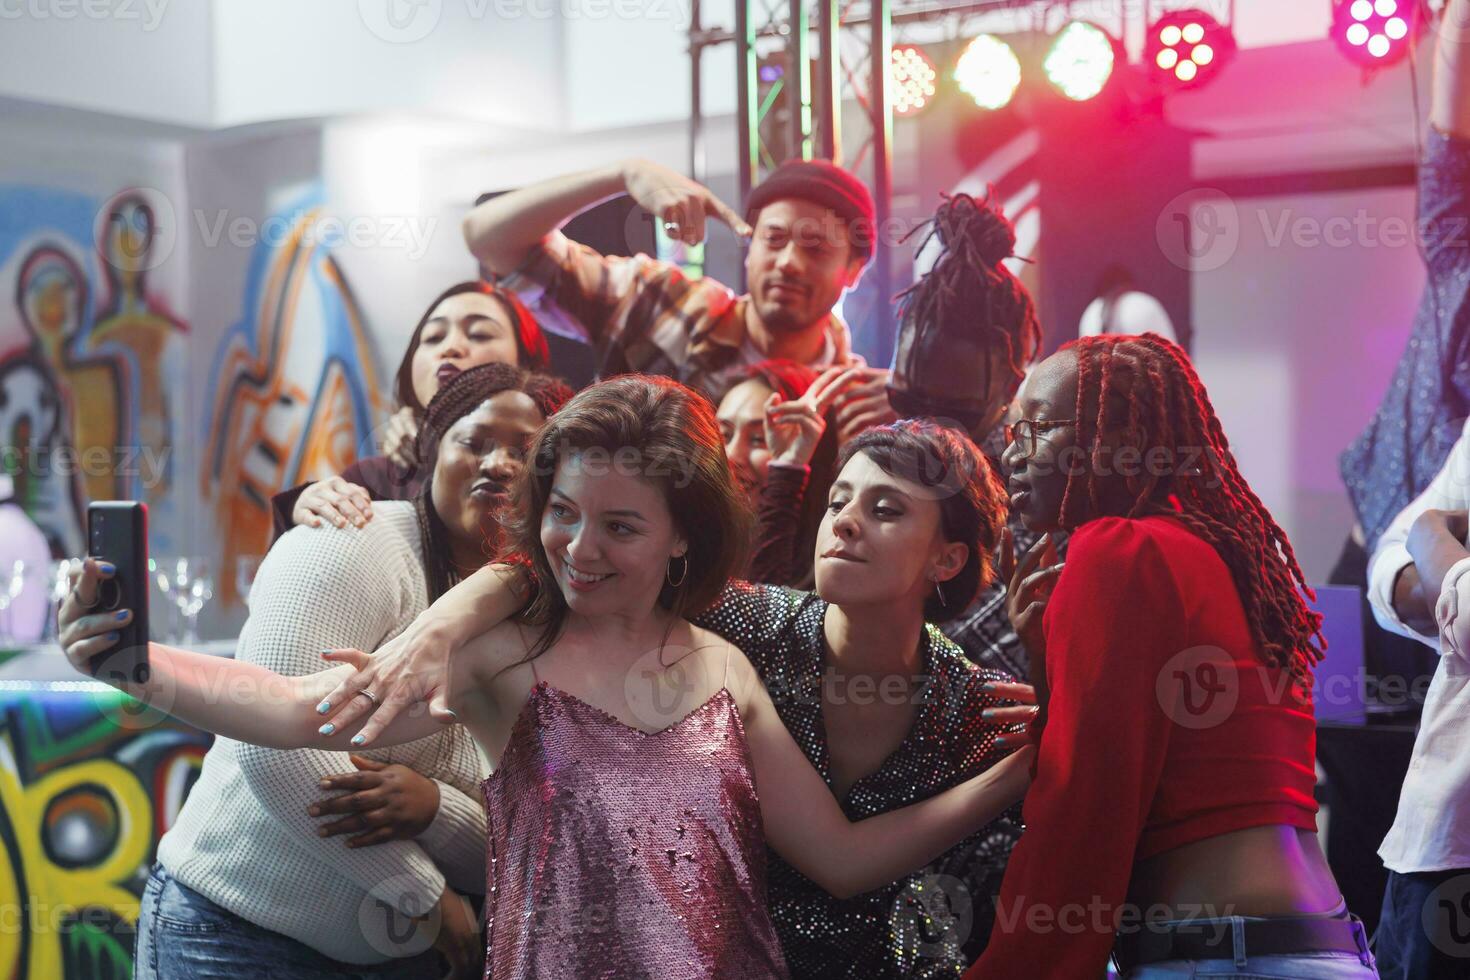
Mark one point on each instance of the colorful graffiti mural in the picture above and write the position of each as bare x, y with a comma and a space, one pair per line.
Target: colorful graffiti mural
85, 382
295, 386
89, 782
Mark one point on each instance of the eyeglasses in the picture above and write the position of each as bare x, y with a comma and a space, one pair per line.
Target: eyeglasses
1023, 433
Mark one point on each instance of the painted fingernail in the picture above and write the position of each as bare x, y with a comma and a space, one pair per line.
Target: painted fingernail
113, 637
358, 740
987, 686
106, 567
324, 707
988, 713
327, 729
122, 615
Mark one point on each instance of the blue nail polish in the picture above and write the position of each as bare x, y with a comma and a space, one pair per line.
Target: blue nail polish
324, 707
988, 713
113, 637
107, 567
327, 729
358, 740
121, 615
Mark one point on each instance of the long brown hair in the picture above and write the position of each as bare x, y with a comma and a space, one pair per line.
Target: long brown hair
1146, 385
675, 439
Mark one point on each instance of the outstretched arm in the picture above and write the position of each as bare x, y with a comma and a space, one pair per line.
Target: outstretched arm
504, 231
807, 827
1449, 108
238, 700
415, 666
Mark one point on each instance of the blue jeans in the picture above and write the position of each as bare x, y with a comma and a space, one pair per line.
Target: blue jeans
184, 936
1293, 966
1406, 950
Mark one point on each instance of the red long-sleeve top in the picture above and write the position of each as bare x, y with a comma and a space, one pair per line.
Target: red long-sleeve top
1165, 727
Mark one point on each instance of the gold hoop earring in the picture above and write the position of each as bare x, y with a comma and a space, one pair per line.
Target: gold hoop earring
940, 592
682, 575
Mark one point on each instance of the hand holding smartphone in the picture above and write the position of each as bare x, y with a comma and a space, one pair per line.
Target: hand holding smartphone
117, 532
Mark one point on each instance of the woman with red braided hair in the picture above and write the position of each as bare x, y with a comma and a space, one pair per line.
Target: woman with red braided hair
1172, 808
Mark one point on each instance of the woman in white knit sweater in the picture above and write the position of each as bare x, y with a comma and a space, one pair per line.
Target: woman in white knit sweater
243, 878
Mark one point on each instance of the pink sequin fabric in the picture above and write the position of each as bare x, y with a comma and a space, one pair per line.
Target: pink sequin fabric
619, 853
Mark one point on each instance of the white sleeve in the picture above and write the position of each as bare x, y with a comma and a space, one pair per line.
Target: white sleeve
1449, 490
317, 589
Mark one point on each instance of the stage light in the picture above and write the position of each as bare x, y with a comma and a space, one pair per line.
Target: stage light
1191, 47
1080, 61
913, 76
1373, 33
988, 72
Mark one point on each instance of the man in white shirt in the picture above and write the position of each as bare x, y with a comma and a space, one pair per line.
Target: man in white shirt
1419, 586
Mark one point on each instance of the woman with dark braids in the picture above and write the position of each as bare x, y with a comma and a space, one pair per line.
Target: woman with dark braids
967, 333
1173, 801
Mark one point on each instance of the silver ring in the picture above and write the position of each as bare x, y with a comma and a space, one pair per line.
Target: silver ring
370, 696
671, 227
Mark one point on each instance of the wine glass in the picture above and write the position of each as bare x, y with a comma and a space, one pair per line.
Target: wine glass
246, 567
60, 586
10, 589
161, 577
201, 590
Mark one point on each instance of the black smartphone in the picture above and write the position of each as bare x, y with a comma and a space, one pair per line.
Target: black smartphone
117, 532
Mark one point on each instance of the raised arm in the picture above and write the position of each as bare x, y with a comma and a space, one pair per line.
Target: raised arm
415, 666
238, 700
806, 826
504, 231
1449, 109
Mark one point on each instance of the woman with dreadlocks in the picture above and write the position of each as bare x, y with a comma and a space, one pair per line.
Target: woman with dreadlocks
1175, 774
968, 331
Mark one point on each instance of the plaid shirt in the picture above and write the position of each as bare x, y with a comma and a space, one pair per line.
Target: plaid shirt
645, 316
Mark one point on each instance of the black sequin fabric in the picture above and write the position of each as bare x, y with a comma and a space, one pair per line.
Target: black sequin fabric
932, 923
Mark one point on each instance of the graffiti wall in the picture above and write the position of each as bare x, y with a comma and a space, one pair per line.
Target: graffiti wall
294, 388
90, 358
89, 782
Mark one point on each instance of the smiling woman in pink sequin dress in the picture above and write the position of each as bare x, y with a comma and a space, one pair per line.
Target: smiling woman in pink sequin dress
626, 832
